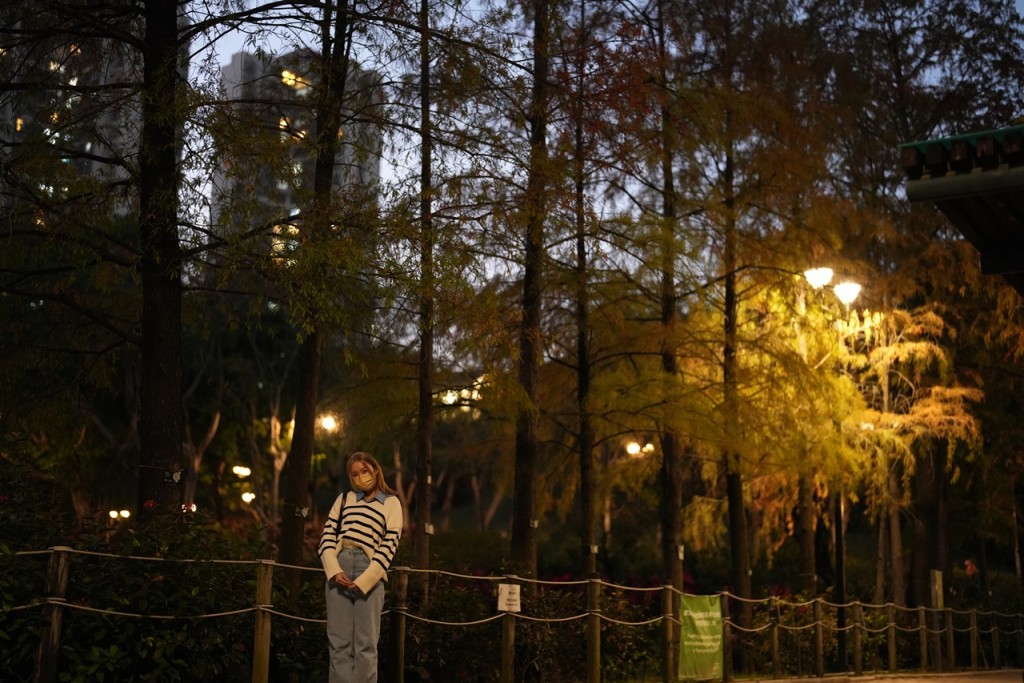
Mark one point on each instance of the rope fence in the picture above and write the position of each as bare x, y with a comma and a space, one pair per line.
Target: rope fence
763, 636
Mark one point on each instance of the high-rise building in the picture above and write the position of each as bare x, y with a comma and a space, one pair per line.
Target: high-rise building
272, 99
72, 100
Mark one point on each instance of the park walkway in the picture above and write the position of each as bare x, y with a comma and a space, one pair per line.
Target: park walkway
1000, 676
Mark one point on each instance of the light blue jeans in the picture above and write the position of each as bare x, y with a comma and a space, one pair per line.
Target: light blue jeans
353, 625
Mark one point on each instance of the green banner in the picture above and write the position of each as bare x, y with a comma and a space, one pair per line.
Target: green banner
700, 638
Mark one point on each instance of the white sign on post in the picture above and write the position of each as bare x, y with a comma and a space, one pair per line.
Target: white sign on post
508, 597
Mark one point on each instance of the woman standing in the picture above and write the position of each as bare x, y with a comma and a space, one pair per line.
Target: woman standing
356, 548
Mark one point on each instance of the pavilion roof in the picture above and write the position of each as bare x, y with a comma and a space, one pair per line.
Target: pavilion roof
977, 181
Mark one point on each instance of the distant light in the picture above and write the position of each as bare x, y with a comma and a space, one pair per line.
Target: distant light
188, 508
633, 448
124, 514
248, 497
113, 514
293, 80
847, 292
818, 277
241, 471
328, 423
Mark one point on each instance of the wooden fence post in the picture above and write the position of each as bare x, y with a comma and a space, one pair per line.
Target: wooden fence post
858, 649
1019, 630
668, 653
974, 638
950, 650
890, 610
261, 631
56, 594
996, 658
774, 625
935, 636
819, 640
726, 641
399, 607
508, 640
594, 630
922, 629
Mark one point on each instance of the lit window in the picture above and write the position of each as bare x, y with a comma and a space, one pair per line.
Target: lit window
293, 80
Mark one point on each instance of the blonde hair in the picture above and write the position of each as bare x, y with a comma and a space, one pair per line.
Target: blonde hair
378, 473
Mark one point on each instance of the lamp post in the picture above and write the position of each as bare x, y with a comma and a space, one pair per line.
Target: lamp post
847, 292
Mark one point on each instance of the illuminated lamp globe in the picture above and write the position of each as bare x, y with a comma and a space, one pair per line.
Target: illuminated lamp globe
847, 292
818, 277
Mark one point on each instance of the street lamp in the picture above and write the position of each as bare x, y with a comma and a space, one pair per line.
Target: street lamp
818, 277
847, 292
328, 423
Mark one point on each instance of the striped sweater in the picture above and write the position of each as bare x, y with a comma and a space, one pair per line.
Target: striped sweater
374, 524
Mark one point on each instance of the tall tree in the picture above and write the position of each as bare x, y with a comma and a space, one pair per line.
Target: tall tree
161, 428
336, 30
425, 412
533, 216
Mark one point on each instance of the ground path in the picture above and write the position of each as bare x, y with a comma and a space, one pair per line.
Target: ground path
1000, 676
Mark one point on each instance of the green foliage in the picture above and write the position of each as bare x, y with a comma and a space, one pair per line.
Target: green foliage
436, 653
299, 647
99, 646
551, 650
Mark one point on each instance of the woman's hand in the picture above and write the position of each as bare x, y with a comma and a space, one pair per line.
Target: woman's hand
340, 579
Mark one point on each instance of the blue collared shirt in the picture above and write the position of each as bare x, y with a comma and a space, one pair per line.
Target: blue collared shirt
379, 496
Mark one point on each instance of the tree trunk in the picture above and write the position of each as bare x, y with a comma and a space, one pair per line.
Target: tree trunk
926, 504
882, 560
671, 502
425, 411
806, 514
899, 575
739, 542
585, 437
448, 503
161, 419
296, 504
331, 94
524, 542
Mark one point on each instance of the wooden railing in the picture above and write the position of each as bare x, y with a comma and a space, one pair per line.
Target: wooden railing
783, 638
